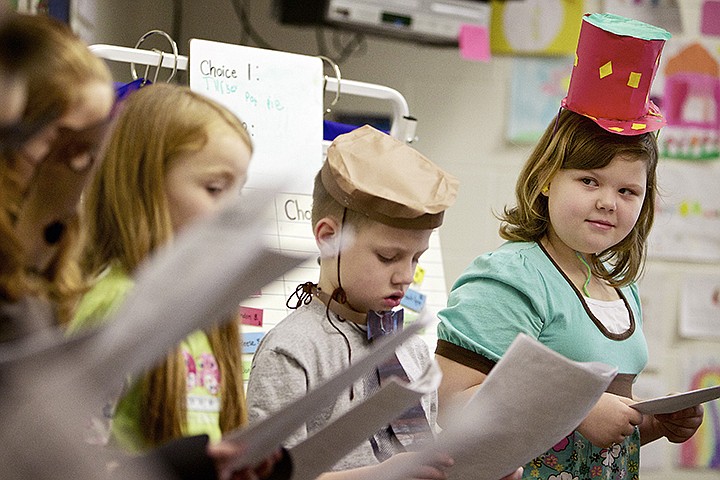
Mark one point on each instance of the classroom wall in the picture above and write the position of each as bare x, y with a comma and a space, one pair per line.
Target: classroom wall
461, 109
459, 104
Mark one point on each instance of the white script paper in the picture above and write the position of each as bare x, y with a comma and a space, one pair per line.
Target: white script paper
515, 414
679, 401
197, 282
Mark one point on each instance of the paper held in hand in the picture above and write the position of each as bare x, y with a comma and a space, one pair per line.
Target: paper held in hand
514, 416
196, 282
679, 401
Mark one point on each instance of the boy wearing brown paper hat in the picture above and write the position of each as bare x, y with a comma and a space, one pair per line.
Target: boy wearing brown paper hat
375, 204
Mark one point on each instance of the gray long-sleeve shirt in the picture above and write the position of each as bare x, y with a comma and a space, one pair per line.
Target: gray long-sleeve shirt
305, 350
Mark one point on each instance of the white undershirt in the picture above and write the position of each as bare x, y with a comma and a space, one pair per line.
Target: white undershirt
612, 314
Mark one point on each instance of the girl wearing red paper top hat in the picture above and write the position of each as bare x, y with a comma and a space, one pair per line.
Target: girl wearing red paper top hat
576, 244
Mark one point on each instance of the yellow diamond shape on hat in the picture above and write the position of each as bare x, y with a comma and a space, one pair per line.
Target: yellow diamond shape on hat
634, 79
638, 126
606, 70
616, 129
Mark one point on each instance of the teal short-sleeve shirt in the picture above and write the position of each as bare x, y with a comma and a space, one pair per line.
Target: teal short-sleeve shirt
518, 288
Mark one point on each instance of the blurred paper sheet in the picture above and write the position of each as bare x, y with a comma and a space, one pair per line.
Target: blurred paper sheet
196, 283
263, 438
679, 401
54, 383
513, 417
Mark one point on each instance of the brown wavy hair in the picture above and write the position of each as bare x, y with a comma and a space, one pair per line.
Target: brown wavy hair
573, 141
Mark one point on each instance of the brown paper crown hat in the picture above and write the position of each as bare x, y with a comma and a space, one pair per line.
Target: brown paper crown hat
372, 173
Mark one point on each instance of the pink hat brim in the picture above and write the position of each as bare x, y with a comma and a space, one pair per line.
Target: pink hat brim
650, 122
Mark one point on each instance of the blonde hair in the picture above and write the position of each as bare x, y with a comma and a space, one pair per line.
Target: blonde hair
126, 217
57, 62
576, 142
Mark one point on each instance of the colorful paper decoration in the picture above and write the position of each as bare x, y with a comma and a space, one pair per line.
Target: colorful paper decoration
474, 42
535, 27
251, 316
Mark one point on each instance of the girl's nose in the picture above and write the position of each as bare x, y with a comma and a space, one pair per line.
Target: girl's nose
607, 201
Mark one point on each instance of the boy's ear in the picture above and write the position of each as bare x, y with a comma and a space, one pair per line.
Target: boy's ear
327, 234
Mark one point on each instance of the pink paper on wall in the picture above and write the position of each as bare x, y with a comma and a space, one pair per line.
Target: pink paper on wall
251, 316
474, 43
710, 21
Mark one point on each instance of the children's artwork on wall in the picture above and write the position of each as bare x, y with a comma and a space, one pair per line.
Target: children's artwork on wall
710, 18
250, 341
687, 212
691, 102
703, 449
661, 13
537, 86
535, 27
700, 306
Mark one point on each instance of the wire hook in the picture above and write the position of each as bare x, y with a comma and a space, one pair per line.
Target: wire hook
336, 70
161, 54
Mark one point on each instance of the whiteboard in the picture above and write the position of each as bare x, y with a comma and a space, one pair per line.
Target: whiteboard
278, 96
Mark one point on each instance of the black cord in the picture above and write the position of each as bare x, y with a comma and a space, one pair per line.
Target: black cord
356, 44
302, 294
339, 295
342, 227
321, 43
177, 19
243, 13
343, 50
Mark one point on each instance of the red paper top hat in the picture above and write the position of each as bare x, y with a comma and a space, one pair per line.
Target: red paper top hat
615, 63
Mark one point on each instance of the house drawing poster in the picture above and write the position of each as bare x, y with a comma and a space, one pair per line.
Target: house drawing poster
689, 82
